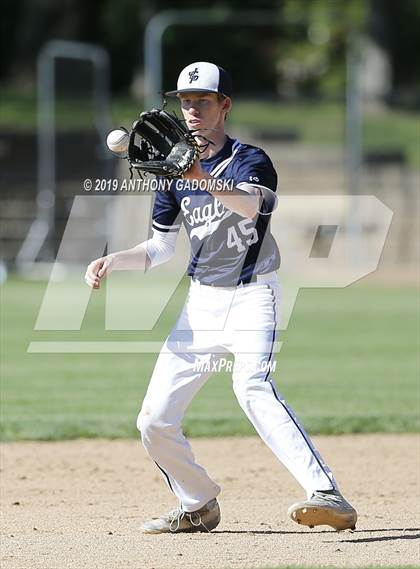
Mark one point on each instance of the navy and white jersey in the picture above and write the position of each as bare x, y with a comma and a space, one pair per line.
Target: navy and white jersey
226, 248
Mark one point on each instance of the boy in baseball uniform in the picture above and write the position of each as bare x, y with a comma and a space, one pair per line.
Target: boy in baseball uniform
233, 306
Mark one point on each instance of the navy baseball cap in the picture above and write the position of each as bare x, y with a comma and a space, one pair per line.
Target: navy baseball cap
203, 76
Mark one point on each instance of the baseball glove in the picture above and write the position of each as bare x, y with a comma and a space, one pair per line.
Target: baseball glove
161, 144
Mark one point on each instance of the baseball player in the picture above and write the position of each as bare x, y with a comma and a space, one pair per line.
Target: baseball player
233, 305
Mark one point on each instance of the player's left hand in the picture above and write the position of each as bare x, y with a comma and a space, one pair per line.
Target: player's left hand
195, 172
159, 143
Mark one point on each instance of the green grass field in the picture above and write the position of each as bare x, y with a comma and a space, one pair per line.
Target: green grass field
349, 363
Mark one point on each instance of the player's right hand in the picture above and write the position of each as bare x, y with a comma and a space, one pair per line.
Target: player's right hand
99, 269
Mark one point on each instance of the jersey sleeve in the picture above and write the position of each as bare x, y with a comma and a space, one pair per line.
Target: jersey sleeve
255, 168
165, 212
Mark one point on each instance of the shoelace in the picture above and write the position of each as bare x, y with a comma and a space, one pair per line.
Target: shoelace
337, 499
332, 497
176, 516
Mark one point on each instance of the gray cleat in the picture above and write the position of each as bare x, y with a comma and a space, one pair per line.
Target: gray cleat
205, 519
329, 509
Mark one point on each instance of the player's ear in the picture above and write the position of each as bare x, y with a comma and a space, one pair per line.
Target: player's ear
227, 104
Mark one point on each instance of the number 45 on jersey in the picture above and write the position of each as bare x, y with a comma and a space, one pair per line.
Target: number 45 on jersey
236, 240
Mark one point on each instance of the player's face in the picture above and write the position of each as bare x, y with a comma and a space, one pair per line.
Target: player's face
204, 110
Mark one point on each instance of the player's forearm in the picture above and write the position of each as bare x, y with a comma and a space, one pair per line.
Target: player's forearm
135, 259
238, 201
243, 203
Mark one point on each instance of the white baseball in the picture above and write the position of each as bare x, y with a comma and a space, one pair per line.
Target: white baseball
117, 141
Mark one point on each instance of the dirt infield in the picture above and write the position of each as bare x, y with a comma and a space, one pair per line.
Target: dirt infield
79, 504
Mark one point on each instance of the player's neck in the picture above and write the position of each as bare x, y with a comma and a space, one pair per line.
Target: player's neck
218, 139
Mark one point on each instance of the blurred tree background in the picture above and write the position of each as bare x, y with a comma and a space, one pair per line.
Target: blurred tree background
302, 54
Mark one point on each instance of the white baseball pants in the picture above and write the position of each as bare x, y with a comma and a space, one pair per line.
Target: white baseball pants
213, 321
